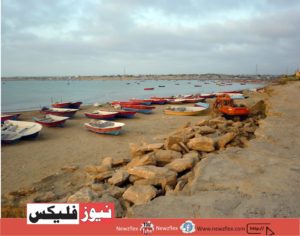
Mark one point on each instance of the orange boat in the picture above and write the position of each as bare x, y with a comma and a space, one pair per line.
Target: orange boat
226, 106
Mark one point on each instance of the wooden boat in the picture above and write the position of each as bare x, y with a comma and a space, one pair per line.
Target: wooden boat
51, 120
207, 95
159, 101
154, 97
141, 101
59, 111
74, 105
9, 137
26, 129
5, 117
125, 103
184, 110
61, 104
197, 85
161, 86
192, 100
125, 114
148, 88
138, 108
202, 104
104, 127
106, 115
176, 100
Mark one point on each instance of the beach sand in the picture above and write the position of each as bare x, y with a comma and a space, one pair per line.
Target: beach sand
31, 160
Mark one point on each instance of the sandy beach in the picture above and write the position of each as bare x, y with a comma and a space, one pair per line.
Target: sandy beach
74, 145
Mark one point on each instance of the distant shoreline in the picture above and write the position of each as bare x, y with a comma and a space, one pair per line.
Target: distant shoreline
248, 78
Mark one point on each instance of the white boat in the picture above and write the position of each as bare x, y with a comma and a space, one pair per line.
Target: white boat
184, 110
104, 127
10, 136
24, 128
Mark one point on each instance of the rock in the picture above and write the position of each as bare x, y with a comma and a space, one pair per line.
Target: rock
118, 178
173, 139
184, 147
46, 197
185, 133
176, 147
147, 159
259, 109
237, 124
83, 195
135, 150
140, 194
94, 170
166, 156
119, 211
181, 164
243, 141
159, 175
202, 122
202, 144
226, 138
115, 191
192, 154
133, 178
23, 192
99, 188
117, 161
180, 185
102, 176
69, 168
206, 130
217, 120
107, 161
249, 129
151, 147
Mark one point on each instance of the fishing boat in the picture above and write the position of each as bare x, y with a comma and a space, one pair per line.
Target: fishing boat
138, 108
202, 104
197, 85
192, 100
225, 104
125, 103
61, 104
73, 105
184, 110
161, 97
59, 111
176, 100
141, 101
104, 127
125, 114
207, 95
106, 115
9, 137
51, 120
158, 101
27, 130
161, 86
148, 88
5, 117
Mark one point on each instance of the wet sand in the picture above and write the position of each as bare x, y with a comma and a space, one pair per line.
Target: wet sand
29, 161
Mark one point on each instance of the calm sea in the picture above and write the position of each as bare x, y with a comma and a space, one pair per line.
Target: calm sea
33, 94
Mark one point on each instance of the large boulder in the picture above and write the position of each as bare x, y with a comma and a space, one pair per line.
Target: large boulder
205, 130
182, 164
166, 156
119, 161
118, 178
83, 195
203, 144
94, 170
119, 211
140, 194
173, 140
147, 159
159, 175
102, 176
225, 139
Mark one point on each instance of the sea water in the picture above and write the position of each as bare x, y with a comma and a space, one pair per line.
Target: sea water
29, 95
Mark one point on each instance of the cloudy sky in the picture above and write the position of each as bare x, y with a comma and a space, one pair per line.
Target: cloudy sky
102, 37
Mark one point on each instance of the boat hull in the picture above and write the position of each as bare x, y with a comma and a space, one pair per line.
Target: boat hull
61, 105
100, 116
125, 114
144, 111
59, 123
182, 113
75, 105
107, 130
60, 113
10, 117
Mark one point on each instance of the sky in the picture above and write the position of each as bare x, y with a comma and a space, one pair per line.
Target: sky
110, 37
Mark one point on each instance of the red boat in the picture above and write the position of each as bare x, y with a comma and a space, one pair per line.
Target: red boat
59, 111
138, 108
104, 127
125, 114
159, 101
148, 88
106, 115
51, 120
61, 104
5, 117
141, 101
161, 97
125, 103
192, 100
74, 105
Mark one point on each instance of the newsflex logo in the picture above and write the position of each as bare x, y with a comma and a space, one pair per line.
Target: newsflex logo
188, 227
44, 213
